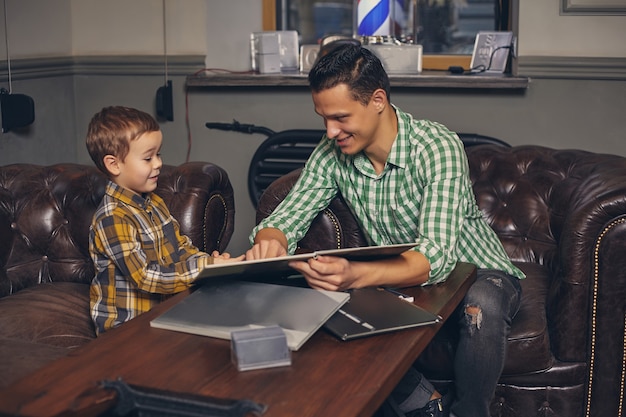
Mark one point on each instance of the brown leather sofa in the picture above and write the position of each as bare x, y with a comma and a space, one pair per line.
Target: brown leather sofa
561, 215
45, 268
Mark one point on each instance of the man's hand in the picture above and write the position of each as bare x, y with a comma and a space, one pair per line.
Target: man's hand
338, 274
268, 243
264, 249
327, 272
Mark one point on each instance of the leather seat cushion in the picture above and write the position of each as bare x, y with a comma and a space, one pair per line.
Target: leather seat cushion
55, 314
528, 347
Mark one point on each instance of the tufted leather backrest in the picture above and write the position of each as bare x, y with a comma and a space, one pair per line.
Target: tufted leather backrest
556, 208
46, 211
527, 193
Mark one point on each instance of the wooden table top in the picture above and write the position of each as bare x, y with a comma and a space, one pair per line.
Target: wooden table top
327, 377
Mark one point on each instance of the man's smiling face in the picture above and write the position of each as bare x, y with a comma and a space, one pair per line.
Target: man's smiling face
349, 122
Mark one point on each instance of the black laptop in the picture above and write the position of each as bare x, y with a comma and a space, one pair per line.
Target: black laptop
372, 311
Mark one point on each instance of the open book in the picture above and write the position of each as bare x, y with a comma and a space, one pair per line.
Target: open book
277, 266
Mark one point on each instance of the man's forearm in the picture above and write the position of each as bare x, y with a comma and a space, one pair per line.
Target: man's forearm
270, 233
268, 243
409, 269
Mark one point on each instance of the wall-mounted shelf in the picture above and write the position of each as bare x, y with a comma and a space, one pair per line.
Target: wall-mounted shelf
427, 79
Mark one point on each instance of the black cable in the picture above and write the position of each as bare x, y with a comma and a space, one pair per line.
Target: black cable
483, 69
6, 42
478, 69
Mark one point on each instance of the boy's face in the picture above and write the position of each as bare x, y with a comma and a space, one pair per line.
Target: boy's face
140, 169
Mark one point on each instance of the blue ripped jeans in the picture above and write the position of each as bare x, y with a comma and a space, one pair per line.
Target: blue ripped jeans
484, 318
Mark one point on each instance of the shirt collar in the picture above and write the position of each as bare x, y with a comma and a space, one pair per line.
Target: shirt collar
128, 197
399, 153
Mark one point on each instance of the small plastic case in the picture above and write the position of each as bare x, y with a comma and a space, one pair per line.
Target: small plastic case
259, 348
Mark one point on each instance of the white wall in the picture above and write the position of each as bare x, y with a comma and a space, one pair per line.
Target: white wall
39, 28
120, 27
544, 32
42, 28
229, 24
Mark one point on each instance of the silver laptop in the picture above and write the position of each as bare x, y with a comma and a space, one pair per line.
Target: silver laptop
218, 308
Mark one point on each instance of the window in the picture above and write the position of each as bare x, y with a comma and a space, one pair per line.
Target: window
445, 28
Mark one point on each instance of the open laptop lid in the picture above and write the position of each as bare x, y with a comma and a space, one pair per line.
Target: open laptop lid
372, 311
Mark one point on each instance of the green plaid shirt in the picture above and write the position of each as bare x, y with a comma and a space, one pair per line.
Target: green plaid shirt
139, 254
423, 195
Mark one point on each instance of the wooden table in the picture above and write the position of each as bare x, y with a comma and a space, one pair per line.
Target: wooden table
327, 377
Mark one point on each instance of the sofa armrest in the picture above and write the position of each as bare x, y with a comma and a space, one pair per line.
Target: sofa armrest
588, 214
566, 210
200, 196
591, 283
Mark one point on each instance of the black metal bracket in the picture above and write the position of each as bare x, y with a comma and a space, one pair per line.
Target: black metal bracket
147, 402
235, 126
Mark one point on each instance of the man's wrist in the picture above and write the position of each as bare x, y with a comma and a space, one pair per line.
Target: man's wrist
271, 233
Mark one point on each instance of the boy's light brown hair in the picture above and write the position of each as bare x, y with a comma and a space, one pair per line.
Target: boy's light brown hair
111, 130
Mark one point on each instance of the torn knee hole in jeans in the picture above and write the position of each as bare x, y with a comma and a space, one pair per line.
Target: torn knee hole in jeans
496, 281
474, 316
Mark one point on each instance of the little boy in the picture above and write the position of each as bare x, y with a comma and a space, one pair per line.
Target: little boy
139, 254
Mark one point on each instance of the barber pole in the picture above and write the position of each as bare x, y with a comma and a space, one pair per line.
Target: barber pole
373, 17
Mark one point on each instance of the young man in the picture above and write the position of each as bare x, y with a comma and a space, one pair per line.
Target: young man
405, 180
138, 251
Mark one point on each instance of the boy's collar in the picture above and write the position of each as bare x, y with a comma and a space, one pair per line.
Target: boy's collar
129, 197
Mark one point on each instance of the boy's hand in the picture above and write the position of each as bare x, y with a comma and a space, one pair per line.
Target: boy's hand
225, 257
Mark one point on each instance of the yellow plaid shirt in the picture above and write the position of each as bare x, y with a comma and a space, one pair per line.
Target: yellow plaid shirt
139, 254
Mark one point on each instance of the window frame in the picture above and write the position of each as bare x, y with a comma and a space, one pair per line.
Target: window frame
429, 61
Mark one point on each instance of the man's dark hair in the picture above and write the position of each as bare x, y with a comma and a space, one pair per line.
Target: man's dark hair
353, 65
